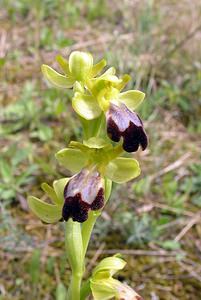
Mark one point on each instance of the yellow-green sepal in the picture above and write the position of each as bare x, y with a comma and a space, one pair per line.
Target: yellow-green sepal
64, 65
86, 106
50, 192
72, 159
48, 213
57, 79
122, 169
132, 99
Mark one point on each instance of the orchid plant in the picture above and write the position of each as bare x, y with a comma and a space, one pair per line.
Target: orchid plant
111, 127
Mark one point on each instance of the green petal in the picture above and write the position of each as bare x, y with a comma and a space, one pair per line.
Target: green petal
86, 106
112, 78
132, 99
80, 65
63, 63
55, 78
50, 192
110, 71
48, 213
124, 80
122, 169
97, 68
59, 186
72, 159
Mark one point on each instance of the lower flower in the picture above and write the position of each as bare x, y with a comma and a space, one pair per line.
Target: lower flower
105, 287
83, 192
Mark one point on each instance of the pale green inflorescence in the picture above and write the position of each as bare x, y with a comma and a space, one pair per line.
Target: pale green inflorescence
107, 117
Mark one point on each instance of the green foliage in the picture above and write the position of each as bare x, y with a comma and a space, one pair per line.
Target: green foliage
34, 267
14, 176
139, 230
194, 182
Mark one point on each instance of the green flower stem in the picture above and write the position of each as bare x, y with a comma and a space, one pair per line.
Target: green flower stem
74, 251
91, 128
74, 289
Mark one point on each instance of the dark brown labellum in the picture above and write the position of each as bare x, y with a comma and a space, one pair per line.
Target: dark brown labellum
121, 122
82, 193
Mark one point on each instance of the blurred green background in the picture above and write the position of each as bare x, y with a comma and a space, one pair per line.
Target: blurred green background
155, 220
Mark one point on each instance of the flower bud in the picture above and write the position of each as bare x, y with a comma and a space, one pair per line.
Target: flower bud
121, 122
84, 191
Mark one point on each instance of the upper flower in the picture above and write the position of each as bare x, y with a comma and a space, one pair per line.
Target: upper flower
118, 107
79, 68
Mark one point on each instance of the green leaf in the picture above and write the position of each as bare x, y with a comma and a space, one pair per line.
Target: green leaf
86, 106
34, 266
72, 159
6, 171
97, 68
170, 245
55, 78
50, 192
132, 99
122, 169
48, 213
44, 132
59, 186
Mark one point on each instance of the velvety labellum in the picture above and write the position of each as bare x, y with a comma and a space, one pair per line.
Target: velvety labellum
121, 122
83, 192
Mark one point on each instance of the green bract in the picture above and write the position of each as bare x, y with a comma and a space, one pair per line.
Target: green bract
97, 152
